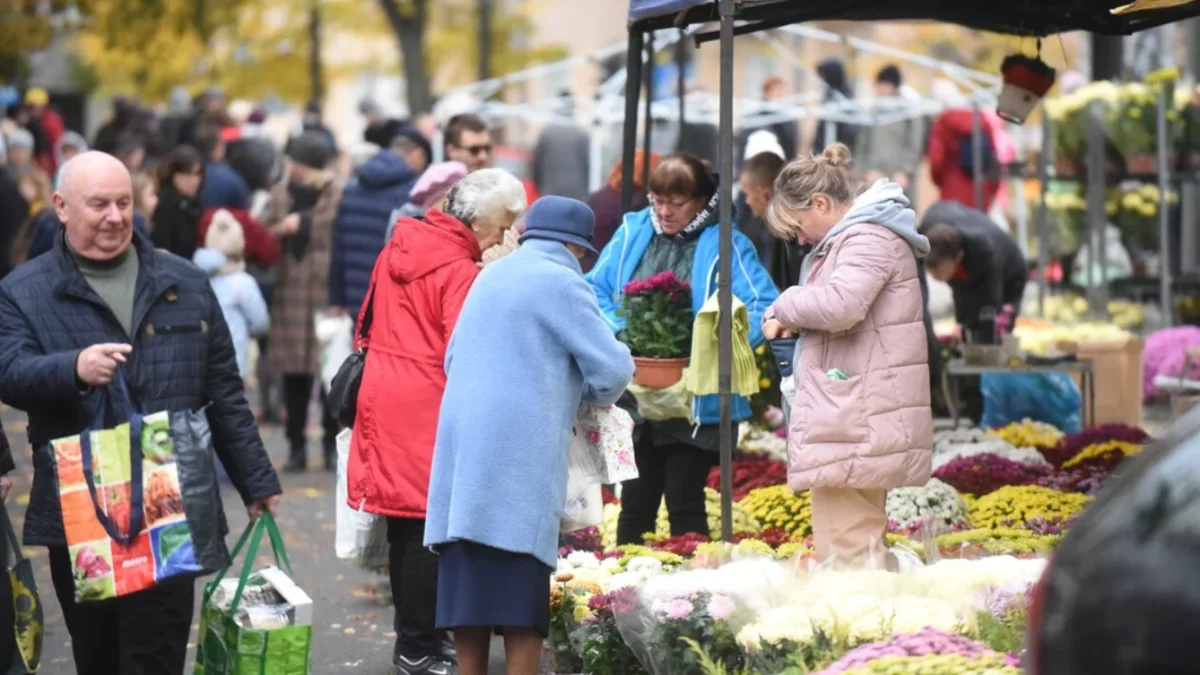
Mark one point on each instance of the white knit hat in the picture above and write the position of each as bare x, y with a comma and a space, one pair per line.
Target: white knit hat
763, 141
225, 235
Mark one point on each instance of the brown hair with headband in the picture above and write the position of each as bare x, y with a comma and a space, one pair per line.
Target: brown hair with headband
825, 174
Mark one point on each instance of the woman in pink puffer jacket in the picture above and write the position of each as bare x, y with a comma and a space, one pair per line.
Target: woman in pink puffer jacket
860, 420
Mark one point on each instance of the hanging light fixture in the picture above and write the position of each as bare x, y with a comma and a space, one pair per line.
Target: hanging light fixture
1026, 81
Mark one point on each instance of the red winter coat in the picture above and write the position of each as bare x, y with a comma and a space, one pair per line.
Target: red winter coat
421, 280
262, 247
949, 130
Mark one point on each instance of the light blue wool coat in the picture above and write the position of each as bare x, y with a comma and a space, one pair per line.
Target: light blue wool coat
751, 284
242, 303
529, 345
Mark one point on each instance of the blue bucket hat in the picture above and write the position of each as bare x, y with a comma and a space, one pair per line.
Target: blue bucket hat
569, 221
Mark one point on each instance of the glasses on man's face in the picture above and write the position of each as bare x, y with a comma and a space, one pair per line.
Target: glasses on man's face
669, 205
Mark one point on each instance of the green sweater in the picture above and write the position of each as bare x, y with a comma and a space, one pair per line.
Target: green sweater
115, 281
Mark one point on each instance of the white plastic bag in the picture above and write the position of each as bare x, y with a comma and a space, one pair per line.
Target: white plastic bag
584, 506
335, 334
360, 538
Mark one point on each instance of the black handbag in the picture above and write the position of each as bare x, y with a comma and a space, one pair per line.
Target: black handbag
343, 390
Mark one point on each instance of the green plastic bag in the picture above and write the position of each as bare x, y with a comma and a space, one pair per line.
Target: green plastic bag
226, 648
672, 403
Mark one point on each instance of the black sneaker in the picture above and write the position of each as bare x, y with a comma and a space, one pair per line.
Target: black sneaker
428, 665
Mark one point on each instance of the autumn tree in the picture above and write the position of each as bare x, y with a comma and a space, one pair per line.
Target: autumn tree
24, 28
442, 39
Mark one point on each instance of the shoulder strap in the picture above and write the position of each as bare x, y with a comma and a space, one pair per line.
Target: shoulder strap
364, 328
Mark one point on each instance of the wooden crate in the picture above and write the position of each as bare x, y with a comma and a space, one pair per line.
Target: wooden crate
1119, 368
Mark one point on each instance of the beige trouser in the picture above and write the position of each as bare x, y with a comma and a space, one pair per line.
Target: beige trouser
849, 525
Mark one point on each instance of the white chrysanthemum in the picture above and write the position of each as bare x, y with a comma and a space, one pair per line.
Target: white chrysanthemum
644, 563
988, 446
583, 560
935, 504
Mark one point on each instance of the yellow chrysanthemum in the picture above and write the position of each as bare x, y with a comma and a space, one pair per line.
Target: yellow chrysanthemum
1016, 505
778, 506
1099, 450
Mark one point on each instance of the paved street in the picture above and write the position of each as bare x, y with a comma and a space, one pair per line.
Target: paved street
353, 621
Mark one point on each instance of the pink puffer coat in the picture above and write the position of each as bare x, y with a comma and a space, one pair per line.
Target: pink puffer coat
861, 310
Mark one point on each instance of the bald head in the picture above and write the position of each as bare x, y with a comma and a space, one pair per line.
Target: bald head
88, 165
95, 203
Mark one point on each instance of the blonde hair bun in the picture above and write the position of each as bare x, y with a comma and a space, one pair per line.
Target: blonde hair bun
836, 155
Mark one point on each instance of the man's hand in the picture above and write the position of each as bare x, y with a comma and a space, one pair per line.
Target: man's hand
270, 504
96, 364
901, 179
773, 330
6, 484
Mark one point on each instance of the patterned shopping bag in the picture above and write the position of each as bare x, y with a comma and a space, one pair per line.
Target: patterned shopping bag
123, 507
228, 648
609, 430
28, 625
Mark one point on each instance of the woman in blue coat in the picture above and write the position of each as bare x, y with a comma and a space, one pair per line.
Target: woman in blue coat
678, 233
529, 346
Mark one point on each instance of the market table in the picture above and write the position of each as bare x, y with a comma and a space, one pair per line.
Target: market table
1085, 369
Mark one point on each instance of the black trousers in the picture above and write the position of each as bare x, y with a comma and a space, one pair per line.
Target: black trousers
413, 569
297, 392
670, 469
141, 634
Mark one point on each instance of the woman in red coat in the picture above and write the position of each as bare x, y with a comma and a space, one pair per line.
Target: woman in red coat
418, 287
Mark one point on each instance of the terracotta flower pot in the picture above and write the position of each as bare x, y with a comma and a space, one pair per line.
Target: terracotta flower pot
658, 373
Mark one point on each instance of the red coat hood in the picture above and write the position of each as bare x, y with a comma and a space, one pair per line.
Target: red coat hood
422, 246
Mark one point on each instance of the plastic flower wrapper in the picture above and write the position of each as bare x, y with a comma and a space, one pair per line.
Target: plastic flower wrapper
928, 641
935, 506
985, 473
707, 605
602, 650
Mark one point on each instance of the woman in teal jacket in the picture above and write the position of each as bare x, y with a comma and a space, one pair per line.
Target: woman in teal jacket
677, 233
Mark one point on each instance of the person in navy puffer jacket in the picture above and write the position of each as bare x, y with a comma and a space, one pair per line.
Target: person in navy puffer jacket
381, 186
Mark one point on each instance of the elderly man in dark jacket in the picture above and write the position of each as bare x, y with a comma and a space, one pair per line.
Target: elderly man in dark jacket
381, 186
104, 299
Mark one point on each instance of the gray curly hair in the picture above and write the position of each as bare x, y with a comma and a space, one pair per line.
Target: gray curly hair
487, 195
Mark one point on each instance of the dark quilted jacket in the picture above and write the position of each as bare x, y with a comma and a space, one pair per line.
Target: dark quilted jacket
381, 186
183, 359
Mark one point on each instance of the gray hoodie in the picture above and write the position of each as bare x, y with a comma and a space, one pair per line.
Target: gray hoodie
882, 204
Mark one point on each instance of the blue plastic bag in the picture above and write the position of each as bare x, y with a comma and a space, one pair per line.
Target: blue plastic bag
1052, 398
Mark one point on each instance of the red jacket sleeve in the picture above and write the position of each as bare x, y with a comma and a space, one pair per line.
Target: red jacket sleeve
262, 247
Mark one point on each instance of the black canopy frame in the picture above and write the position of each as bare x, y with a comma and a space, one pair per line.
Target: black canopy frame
1032, 18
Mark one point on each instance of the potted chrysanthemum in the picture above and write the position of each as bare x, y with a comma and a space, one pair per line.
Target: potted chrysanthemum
658, 328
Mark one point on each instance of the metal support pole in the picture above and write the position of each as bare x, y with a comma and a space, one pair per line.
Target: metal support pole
596, 156
1097, 218
649, 104
681, 84
633, 87
1164, 214
485, 39
1042, 224
977, 155
725, 269
829, 130
1022, 208
314, 51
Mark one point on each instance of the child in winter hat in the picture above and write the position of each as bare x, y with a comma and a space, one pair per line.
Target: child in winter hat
242, 302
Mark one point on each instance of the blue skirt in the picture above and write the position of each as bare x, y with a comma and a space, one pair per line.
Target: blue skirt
481, 586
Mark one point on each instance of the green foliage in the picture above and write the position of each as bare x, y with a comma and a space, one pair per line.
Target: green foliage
658, 317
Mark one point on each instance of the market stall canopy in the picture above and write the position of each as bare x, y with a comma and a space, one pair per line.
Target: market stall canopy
1017, 17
